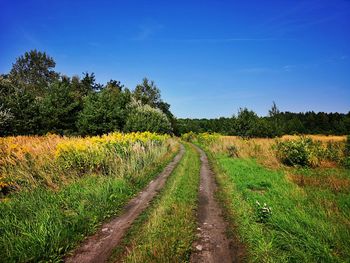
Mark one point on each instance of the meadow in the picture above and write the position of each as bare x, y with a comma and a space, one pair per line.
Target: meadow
287, 199
57, 190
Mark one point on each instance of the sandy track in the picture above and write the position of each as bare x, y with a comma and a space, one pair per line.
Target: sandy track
99, 247
212, 244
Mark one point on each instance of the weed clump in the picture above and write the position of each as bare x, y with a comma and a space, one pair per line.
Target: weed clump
301, 152
263, 212
232, 151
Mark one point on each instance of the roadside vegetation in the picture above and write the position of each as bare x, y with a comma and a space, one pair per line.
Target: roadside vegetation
288, 199
56, 190
166, 231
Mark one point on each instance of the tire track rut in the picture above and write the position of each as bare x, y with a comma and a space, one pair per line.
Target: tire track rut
212, 244
99, 247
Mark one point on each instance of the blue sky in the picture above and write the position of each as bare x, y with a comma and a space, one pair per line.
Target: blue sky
208, 57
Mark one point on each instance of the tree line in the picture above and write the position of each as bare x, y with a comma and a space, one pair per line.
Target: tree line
35, 99
248, 124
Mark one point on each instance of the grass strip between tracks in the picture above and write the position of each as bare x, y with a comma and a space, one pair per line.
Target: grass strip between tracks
165, 231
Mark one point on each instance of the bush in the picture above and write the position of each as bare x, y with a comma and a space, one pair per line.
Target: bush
189, 137
145, 118
206, 138
301, 152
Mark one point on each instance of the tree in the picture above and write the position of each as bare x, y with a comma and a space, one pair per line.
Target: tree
246, 123
294, 126
89, 84
5, 116
275, 125
34, 72
114, 84
145, 118
148, 93
59, 108
104, 111
24, 108
274, 111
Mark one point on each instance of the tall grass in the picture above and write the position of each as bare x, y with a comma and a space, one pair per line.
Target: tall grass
321, 151
40, 222
51, 161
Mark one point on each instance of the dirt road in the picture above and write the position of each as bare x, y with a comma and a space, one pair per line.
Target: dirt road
98, 248
212, 244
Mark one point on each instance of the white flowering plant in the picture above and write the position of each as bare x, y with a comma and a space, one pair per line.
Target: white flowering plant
263, 212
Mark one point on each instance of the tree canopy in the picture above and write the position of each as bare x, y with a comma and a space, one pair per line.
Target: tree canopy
35, 99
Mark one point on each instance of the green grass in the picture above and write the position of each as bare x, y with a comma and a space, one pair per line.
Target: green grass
166, 231
42, 225
308, 224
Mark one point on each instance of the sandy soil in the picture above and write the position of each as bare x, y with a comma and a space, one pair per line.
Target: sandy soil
99, 247
212, 244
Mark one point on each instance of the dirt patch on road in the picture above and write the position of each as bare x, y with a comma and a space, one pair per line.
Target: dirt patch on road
212, 244
99, 247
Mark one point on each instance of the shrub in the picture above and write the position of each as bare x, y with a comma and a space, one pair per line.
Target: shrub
301, 152
207, 138
189, 137
145, 118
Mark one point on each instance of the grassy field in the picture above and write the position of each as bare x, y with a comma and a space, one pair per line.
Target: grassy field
286, 199
263, 150
282, 214
81, 182
166, 231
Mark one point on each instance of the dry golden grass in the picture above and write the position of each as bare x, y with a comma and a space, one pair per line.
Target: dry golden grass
320, 137
262, 148
259, 148
52, 160
17, 149
21, 154
332, 182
